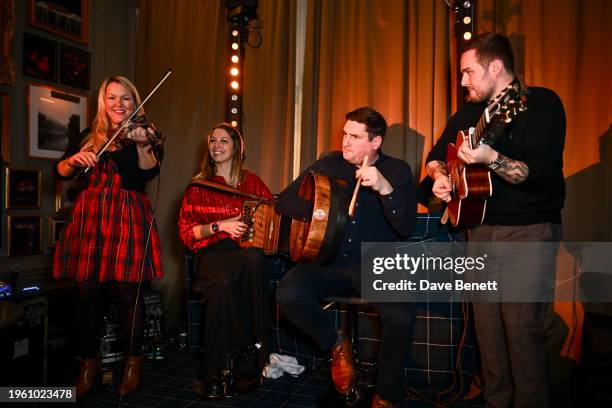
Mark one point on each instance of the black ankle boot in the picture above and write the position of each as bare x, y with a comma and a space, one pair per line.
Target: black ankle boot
209, 387
213, 388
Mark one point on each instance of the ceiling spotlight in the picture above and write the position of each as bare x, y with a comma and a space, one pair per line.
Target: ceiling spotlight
467, 20
234, 71
234, 123
234, 59
235, 33
234, 46
467, 35
234, 111
234, 84
234, 97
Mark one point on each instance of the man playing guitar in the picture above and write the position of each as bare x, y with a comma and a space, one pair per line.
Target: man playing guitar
528, 192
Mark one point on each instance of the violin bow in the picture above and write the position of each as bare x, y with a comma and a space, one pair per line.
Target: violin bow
351, 210
126, 122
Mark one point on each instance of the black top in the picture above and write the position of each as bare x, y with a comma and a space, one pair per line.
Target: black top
535, 137
378, 218
126, 159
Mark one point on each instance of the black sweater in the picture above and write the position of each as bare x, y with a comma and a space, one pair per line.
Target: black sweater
126, 160
535, 137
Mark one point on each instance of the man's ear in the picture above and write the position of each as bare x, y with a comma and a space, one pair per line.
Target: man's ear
377, 141
496, 67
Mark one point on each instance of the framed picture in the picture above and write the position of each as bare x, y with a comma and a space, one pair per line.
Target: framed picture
65, 194
7, 66
5, 126
68, 18
56, 226
55, 118
74, 67
22, 188
24, 235
39, 57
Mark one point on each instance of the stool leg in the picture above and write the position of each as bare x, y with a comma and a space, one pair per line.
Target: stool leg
353, 319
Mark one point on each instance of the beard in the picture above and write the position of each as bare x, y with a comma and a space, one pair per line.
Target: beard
476, 96
482, 94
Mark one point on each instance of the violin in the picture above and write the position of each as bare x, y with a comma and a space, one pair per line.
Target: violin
139, 121
155, 140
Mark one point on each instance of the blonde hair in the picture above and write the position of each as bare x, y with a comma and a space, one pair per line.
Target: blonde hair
101, 125
207, 164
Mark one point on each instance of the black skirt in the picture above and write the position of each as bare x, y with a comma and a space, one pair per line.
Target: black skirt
234, 281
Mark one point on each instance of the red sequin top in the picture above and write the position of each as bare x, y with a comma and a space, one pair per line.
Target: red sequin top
202, 206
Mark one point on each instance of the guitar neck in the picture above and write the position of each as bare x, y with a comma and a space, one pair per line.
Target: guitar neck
480, 128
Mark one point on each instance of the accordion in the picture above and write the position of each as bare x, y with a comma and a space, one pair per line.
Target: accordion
264, 227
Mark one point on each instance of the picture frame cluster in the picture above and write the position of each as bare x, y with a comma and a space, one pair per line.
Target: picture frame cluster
57, 68
49, 60
22, 191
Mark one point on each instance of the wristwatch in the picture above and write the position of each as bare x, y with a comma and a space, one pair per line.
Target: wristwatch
498, 162
214, 227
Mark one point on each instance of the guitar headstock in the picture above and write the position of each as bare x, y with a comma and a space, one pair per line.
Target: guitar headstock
503, 109
509, 102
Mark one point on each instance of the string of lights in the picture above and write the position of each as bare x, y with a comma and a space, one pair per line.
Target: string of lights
464, 23
243, 21
233, 98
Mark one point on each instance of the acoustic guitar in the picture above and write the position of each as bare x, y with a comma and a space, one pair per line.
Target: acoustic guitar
471, 183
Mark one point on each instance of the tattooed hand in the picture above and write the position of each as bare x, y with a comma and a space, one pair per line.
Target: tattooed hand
513, 171
481, 154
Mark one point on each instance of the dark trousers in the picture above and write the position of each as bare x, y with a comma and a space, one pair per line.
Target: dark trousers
511, 335
299, 294
235, 284
90, 312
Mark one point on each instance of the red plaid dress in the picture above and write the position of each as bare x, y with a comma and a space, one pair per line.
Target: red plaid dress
111, 234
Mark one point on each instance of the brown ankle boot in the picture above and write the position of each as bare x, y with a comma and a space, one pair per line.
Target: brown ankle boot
87, 375
378, 402
131, 378
342, 369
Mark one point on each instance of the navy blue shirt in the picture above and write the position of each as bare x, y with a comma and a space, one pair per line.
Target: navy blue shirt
378, 218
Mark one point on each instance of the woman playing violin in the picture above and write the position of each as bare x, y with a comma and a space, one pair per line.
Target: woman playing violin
235, 279
111, 239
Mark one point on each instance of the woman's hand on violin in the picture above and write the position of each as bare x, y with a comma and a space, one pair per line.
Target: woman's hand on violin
82, 159
139, 134
233, 226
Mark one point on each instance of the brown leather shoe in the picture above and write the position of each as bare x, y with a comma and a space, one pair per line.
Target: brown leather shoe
87, 375
131, 379
378, 402
342, 369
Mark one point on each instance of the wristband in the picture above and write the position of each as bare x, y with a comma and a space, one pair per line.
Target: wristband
496, 163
